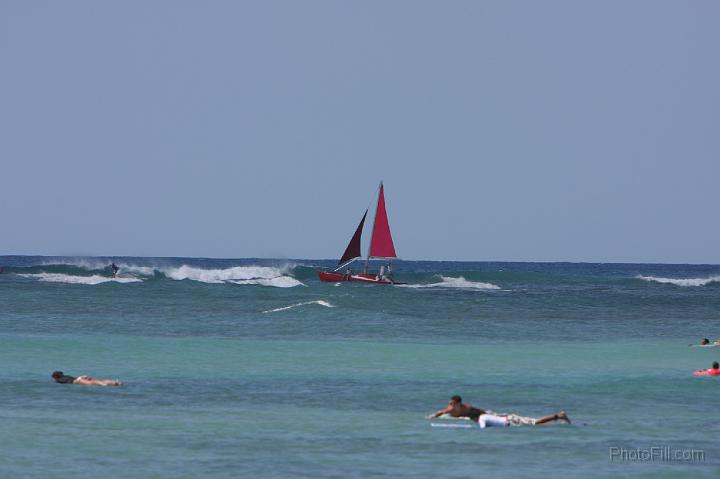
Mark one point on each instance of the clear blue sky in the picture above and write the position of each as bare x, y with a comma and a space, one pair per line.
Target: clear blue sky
504, 130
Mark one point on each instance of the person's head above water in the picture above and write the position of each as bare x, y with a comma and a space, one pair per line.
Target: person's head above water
705, 341
59, 377
456, 400
716, 365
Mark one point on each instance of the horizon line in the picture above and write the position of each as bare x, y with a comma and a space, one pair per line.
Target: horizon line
335, 259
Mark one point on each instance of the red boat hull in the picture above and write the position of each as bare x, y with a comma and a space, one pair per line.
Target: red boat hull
333, 277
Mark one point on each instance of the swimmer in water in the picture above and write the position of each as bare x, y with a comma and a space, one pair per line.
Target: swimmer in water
713, 371
456, 408
61, 378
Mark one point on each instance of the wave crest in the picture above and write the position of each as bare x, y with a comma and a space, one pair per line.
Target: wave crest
97, 272
457, 283
243, 275
221, 275
681, 281
70, 279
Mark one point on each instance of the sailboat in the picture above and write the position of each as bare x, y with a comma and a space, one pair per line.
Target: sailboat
381, 247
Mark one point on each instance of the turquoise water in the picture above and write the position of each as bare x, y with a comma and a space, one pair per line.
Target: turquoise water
253, 368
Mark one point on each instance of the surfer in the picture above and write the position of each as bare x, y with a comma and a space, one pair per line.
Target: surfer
456, 408
114, 269
61, 378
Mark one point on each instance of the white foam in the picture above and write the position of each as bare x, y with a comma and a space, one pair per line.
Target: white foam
285, 308
70, 279
279, 282
244, 275
458, 283
235, 273
131, 268
681, 281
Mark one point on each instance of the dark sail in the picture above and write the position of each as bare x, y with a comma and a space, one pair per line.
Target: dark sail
353, 249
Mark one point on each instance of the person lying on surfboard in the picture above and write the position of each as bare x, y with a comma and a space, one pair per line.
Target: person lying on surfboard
61, 378
456, 408
713, 371
706, 342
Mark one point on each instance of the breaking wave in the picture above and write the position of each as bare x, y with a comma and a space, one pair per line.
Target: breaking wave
142, 270
237, 275
285, 308
681, 281
457, 283
96, 272
70, 279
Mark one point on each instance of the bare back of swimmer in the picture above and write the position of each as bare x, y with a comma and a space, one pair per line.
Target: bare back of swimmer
61, 378
456, 408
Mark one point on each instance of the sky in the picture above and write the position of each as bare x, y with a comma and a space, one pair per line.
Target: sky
503, 130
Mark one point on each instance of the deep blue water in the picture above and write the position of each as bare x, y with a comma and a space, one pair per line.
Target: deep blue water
253, 368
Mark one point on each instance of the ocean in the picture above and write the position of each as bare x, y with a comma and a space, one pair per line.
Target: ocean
254, 368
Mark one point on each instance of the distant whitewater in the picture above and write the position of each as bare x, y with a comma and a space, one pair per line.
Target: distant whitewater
243, 275
94, 272
280, 274
681, 281
66, 278
458, 283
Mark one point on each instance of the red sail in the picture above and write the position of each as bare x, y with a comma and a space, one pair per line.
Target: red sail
353, 248
381, 245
